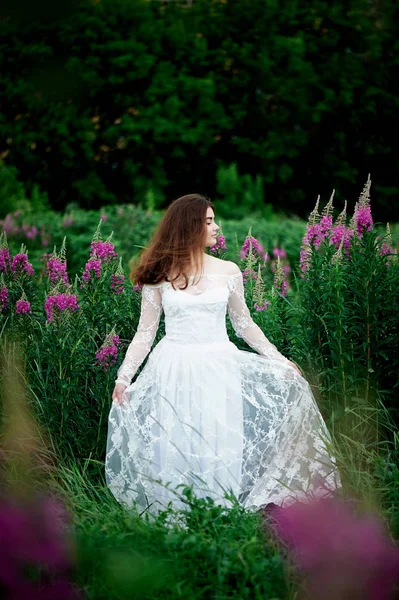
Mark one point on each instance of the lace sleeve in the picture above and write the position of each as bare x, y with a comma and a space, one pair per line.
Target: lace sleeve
151, 310
242, 322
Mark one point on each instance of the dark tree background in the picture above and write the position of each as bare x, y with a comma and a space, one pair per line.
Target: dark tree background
103, 100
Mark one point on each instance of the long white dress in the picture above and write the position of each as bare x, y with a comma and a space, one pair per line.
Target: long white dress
204, 413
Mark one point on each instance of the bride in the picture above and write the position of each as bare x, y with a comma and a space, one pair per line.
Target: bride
203, 412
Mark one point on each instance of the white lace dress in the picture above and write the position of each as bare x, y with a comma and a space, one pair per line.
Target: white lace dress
204, 413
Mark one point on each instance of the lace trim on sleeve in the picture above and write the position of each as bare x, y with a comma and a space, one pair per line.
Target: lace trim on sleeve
242, 322
151, 310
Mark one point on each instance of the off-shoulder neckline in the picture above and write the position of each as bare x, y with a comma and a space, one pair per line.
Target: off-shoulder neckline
204, 275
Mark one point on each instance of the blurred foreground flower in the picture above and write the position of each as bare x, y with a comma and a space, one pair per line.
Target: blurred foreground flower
37, 551
35, 555
343, 556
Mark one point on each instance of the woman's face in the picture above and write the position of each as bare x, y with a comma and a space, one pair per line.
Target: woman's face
211, 227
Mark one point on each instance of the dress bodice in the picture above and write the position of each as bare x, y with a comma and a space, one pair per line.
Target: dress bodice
195, 315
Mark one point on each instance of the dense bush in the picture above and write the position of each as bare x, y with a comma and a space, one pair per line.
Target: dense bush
118, 100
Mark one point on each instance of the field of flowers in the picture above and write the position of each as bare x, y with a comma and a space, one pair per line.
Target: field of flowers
330, 303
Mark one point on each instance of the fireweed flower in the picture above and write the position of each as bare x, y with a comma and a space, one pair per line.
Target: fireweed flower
219, 245
279, 252
137, 287
4, 260
362, 219
117, 281
280, 283
253, 244
264, 306
342, 555
92, 265
20, 264
3, 298
56, 270
103, 250
60, 303
23, 307
108, 353
248, 274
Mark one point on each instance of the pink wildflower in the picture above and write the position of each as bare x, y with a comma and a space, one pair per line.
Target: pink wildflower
286, 269
314, 234
280, 282
364, 220
60, 302
117, 283
256, 246
137, 287
386, 248
219, 245
23, 307
4, 259
279, 252
108, 353
3, 298
103, 250
94, 265
56, 270
263, 306
248, 274
68, 221
20, 264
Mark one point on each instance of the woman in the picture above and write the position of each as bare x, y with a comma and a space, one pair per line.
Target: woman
202, 412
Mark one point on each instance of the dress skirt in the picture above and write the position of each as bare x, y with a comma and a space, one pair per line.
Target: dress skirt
222, 420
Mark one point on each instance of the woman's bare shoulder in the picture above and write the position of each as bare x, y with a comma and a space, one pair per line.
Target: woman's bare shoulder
223, 267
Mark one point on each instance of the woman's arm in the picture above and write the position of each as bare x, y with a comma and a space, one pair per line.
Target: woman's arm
242, 322
151, 310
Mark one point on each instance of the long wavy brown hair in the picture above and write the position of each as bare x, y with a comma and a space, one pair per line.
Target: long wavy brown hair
177, 244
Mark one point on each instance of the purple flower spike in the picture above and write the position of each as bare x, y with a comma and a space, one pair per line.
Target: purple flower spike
20, 264
364, 220
23, 307
117, 282
92, 265
104, 251
61, 303
249, 274
3, 298
4, 260
256, 246
220, 245
108, 353
263, 306
56, 270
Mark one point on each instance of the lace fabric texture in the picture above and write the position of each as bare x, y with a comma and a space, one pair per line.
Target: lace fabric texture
151, 310
204, 413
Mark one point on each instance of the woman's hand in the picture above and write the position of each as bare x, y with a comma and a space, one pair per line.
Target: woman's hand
296, 367
118, 392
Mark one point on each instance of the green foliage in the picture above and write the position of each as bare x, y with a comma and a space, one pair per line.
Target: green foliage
138, 102
206, 551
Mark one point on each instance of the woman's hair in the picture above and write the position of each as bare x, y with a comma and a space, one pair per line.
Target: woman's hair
178, 241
